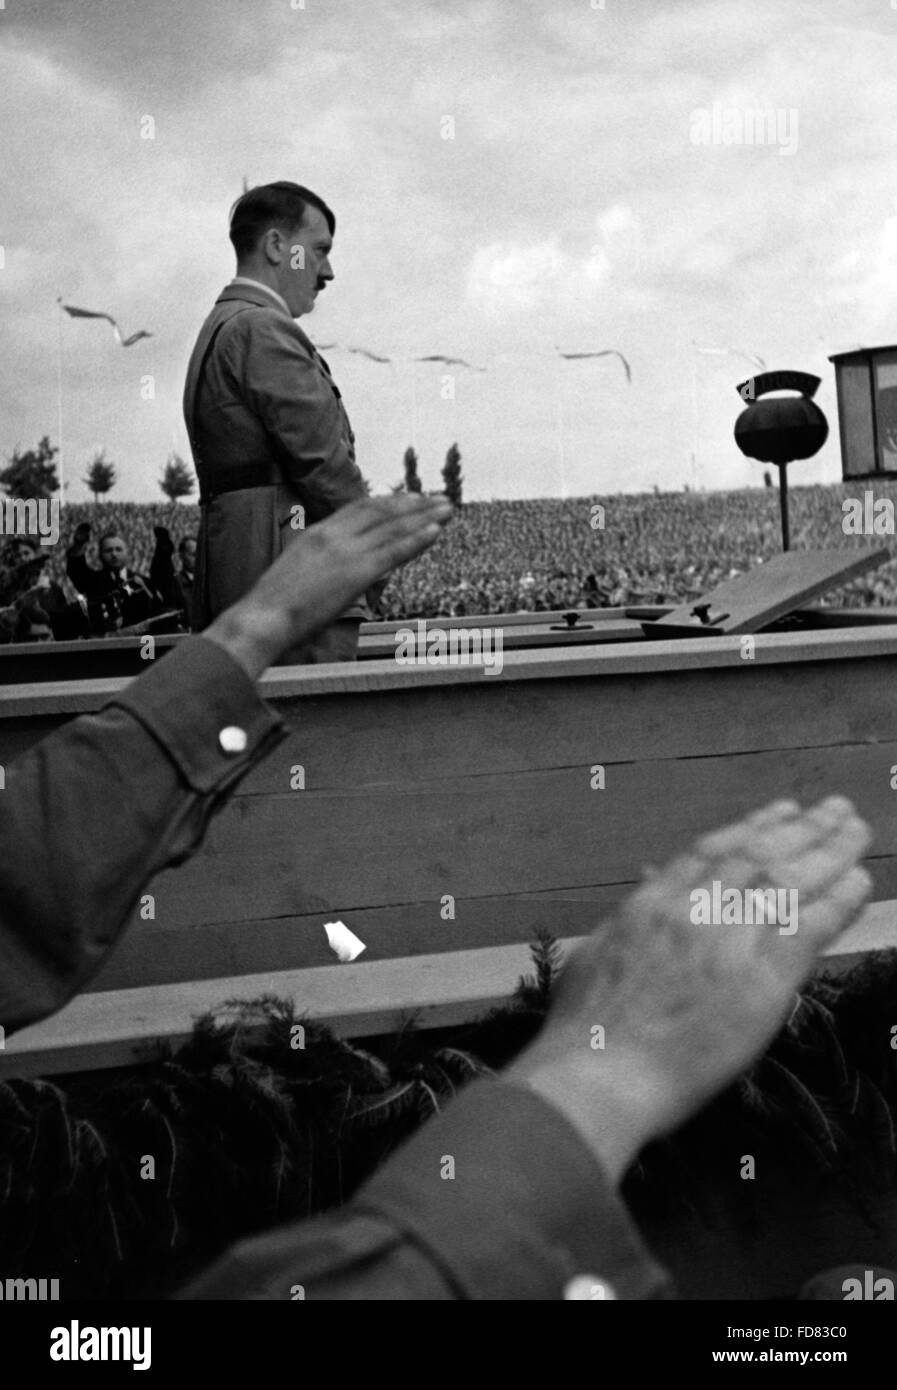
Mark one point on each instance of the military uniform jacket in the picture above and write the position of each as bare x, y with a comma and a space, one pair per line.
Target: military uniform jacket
271, 443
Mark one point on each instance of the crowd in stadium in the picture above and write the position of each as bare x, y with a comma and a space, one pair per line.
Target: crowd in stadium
501, 557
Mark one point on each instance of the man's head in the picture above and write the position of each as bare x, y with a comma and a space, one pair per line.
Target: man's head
33, 625
282, 234
187, 552
113, 552
21, 548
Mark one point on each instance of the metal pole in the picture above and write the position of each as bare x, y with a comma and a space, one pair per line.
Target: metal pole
59, 409
694, 410
559, 422
783, 505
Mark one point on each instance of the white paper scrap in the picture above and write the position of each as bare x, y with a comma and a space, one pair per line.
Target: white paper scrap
343, 942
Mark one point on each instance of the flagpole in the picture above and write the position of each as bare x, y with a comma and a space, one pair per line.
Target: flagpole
694, 407
559, 410
59, 408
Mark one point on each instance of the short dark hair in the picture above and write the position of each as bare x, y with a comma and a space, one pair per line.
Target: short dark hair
109, 536
272, 205
184, 542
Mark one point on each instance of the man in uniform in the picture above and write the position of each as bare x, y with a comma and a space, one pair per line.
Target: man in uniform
114, 573
272, 444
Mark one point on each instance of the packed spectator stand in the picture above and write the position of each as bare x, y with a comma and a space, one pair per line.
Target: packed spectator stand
511, 556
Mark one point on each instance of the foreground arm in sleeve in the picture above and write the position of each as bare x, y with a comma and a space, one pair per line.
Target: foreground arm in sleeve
498, 1197
94, 811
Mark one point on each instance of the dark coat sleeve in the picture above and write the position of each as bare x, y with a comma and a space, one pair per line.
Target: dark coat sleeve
89, 815
496, 1198
88, 581
162, 577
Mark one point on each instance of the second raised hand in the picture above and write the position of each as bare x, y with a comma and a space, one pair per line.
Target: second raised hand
318, 576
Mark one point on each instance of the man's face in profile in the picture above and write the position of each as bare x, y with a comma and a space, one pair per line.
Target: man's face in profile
306, 269
188, 555
113, 554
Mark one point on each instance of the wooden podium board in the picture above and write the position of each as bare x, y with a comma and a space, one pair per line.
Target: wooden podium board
752, 601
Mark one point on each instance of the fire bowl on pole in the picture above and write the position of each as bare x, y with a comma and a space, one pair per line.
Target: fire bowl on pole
782, 428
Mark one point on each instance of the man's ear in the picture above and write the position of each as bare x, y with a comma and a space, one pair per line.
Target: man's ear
274, 244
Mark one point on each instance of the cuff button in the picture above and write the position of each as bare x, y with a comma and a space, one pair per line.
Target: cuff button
233, 740
588, 1286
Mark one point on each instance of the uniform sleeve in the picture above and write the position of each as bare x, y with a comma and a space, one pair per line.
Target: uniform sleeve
89, 815
161, 574
496, 1198
297, 405
85, 579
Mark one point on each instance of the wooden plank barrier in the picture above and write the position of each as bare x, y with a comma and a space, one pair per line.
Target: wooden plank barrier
448, 814
99, 657
122, 1027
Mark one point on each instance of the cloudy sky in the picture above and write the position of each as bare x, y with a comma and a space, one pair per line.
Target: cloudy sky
509, 177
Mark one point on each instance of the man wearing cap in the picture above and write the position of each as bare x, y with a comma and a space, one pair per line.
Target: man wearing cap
272, 444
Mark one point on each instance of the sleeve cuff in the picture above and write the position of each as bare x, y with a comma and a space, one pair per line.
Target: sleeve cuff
205, 712
508, 1199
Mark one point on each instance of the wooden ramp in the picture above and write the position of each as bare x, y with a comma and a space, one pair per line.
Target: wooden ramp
752, 601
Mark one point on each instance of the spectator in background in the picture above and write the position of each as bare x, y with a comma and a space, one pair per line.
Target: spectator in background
174, 588
113, 574
29, 599
33, 625
111, 597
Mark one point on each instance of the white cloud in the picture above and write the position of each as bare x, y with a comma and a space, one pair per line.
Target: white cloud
506, 276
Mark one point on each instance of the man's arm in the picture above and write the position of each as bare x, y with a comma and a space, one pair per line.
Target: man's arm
496, 1198
93, 812
297, 406
105, 803
86, 580
161, 576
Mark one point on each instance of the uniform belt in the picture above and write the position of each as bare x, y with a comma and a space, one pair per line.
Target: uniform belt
237, 479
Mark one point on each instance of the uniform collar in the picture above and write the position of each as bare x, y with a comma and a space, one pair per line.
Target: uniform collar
240, 282
254, 292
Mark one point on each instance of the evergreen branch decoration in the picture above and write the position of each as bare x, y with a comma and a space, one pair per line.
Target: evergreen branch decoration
247, 1131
